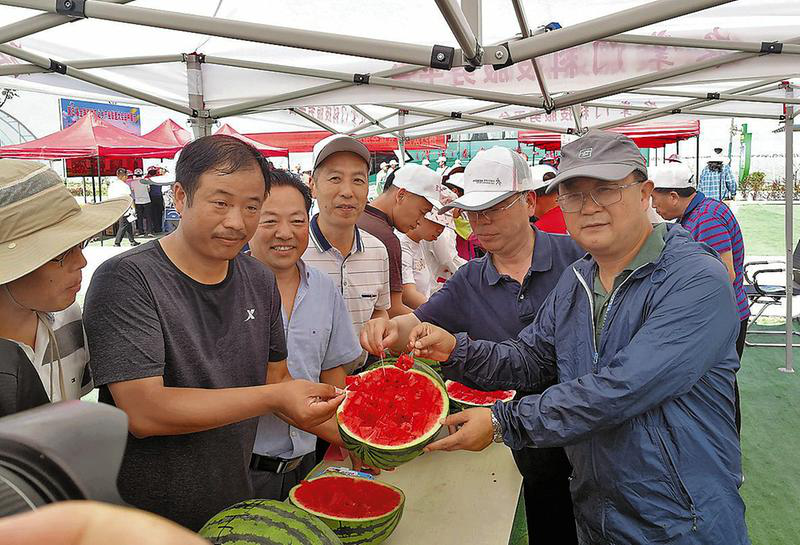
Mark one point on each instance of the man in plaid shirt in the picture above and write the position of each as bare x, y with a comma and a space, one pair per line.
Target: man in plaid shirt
716, 181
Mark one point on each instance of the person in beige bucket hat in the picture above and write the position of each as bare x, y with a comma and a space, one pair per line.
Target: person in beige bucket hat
42, 233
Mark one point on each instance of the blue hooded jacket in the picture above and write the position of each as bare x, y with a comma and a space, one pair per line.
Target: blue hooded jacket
646, 417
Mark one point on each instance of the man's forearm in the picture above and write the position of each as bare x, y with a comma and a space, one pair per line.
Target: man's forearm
177, 411
405, 324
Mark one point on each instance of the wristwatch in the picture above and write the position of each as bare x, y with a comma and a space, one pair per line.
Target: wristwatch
497, 429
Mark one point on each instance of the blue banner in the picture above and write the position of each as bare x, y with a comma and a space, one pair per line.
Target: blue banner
127, 118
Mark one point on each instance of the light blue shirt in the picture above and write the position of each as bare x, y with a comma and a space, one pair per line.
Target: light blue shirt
319, 336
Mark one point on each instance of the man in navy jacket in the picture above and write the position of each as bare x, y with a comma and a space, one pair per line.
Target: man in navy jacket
640, 335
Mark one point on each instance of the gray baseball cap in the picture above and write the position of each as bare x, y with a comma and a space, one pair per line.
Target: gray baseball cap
603, 155
336, 143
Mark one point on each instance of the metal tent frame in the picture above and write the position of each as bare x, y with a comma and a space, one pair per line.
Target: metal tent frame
465, 22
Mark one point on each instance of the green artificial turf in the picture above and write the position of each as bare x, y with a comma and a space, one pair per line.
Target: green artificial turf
763, 228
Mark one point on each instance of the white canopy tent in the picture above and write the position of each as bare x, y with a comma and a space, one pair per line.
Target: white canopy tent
404, 68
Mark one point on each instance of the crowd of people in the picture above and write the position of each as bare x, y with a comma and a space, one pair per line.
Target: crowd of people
622, 337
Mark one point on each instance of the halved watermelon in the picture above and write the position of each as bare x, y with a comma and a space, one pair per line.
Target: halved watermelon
359, 511
392, 360
463, 397
390, 414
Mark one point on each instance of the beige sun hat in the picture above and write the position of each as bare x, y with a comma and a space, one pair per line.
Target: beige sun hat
39, 217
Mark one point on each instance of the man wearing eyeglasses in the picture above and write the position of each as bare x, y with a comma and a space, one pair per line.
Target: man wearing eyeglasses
494, 298
640, 336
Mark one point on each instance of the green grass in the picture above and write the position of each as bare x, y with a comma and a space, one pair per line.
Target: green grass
762, 227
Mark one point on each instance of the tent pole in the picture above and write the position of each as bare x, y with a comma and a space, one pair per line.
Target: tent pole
789, 231
401, 140
525, 29
314, 120
437, 120
377, 121
99, 170
365, 115
38, 23
93, 79
679, 107
201, 124
697, 159
260, 33
478, 94
24, 69
609, 25
715, 96
714, 113
728, 45
463, 33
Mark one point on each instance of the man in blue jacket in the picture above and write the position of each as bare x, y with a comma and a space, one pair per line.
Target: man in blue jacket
640, 335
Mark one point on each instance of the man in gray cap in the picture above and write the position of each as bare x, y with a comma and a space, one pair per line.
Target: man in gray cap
640, 337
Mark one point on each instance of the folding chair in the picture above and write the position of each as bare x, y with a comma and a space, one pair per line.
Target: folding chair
769, 294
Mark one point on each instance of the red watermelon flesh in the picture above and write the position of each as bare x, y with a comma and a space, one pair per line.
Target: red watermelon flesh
458, 391
347, 498
388, 406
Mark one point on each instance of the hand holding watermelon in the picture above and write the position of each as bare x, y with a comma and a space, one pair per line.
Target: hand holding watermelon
475, 431
308, 404
430, 341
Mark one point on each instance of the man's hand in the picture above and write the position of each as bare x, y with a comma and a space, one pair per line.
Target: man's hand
432, 342
358, 465
475, 431
91, 523
379, 334
307, 404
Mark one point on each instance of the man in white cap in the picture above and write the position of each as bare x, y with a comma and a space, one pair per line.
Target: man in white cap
426, 163
639, 336
496, 296
380, 177
410, 192
709, 221
186, 337
549, 216
43, 353
716, 180
356, 261
442, 162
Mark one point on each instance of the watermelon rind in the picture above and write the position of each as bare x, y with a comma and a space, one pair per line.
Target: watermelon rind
457, 405
253, 522
389, 457
358, 531
433, 365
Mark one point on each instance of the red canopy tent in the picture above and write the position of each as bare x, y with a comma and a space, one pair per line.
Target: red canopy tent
90, 136
297, 142
169, 133
645, 136
265, 149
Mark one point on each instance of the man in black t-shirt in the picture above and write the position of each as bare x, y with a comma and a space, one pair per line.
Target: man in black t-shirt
185, 332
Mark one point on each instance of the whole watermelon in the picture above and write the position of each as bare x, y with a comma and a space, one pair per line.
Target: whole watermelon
257, 522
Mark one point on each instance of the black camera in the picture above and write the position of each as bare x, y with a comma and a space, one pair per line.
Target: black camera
63, 451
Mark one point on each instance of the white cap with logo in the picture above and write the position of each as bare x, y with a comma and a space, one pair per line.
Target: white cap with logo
441, 159
672, 176
492, 176
336, 143
421, 181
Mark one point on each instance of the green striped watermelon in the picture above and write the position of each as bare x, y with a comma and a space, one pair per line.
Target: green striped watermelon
360, 511
267, 522
390, 414
392, 360
463, 397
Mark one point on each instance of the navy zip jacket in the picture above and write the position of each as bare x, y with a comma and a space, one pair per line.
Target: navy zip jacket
646, 417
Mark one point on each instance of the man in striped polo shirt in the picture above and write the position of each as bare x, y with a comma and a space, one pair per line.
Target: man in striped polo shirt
709, 221
356, 261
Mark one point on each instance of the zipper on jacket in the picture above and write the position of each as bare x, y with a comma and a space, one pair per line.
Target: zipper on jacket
677, 482
591, 317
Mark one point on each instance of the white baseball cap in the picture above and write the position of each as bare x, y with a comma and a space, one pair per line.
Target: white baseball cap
425, 162
457, 180
384, 164
538, 172
441, 159
336, 143
672, 176
393, 163
442, 219
492, 176
420, 181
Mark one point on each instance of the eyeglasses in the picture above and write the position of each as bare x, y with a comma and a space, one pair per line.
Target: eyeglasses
63, 255
493, 213
602, 196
